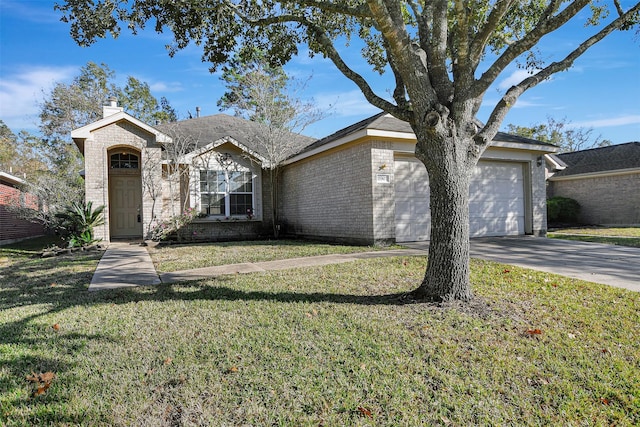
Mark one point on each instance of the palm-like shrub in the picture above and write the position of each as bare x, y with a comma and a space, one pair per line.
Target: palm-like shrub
76, 223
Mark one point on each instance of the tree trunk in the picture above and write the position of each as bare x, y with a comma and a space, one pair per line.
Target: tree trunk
447, 274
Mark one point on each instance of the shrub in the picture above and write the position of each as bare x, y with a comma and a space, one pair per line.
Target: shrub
165, 229
75, 225
562, 209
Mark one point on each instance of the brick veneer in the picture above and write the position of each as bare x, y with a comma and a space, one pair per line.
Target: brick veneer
12, 227
604, 200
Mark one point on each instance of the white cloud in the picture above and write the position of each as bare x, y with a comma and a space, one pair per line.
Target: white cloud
21, 92
345, 104
514, 78
166, 87
632, 119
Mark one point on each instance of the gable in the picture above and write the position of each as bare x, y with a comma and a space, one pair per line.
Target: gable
204, 133
121, 119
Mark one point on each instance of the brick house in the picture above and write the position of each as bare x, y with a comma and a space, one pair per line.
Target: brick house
604, 181
13, 228
360, 185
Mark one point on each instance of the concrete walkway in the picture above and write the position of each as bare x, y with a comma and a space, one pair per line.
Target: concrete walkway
124, 264
129, 264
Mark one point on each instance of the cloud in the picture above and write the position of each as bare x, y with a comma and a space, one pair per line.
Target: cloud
20, 93
345, 104
631, 119
514, 78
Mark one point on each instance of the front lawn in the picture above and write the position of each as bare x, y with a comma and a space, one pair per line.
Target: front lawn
331, 345
623, 236
176, 257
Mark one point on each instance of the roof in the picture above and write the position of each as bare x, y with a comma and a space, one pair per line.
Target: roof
11, 179
209, 129
386, 122
603, 159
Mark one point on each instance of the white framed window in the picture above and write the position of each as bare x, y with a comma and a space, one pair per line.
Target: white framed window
226, 193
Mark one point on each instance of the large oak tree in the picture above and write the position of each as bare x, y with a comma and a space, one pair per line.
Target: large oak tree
441, 57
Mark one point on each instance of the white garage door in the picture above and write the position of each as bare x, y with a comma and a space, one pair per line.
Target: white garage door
496, 203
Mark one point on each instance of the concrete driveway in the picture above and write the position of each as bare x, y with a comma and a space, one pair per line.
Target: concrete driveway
607, 264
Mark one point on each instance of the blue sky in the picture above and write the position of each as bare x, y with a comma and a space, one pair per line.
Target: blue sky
601, 91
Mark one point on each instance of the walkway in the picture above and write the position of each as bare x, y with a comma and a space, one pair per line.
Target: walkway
124, 264
129, 264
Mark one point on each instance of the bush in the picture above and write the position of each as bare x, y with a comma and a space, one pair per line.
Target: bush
75, 225
562, 209
166, 229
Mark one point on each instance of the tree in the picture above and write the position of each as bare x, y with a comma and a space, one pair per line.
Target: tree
441, 57
560, 133
267, 96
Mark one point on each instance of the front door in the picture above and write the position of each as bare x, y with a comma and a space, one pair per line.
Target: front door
125, 206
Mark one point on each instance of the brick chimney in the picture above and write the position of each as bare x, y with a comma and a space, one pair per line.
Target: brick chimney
111, 108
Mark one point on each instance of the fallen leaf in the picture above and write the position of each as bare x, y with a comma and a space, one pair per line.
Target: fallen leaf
56, 327
533, 332
506, 271
365, 412
604, 400
232, 369
604, 350
555, 285
167, 361
41, 389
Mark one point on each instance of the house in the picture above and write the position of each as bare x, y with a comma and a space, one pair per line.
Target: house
12, 227
359, 185
604, 181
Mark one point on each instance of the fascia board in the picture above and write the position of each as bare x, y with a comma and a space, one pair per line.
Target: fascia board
85, 131
539, 148
226, 139
600, 174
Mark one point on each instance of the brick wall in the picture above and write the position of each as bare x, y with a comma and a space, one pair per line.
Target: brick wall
13, 228
118, 135
330, 197
537, 177
605, 200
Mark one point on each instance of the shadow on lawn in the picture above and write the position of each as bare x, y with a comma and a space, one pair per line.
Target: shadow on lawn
33, 288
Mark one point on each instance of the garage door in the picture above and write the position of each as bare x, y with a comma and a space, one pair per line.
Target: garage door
496, 203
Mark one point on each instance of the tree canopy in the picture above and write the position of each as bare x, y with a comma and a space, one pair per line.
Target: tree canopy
560, 132
440, 57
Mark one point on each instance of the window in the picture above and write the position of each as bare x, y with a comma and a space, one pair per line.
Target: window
226, 193
124, 161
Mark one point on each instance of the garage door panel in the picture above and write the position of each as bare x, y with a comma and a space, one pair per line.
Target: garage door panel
496, 200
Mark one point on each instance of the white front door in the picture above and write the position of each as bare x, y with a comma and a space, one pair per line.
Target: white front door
125, 203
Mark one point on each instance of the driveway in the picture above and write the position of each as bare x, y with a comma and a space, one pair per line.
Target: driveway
607, 264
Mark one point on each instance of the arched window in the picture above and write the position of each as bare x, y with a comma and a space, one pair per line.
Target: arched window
124, 161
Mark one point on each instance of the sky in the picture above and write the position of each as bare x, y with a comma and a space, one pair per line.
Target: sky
600, 92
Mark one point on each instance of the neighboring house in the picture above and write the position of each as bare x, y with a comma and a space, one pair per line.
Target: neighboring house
604, 181
360, 185
13, 228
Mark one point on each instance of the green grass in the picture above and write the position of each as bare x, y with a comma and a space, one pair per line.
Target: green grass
311, 346
625, 236
188, 256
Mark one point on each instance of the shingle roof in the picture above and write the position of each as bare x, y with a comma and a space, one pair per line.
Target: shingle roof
386, 122
208, 129
613, 157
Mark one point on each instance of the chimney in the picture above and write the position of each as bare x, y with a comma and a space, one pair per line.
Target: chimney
197, 112
111, 108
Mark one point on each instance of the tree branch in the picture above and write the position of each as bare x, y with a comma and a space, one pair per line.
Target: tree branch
544, 26
509, 99
482, 37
